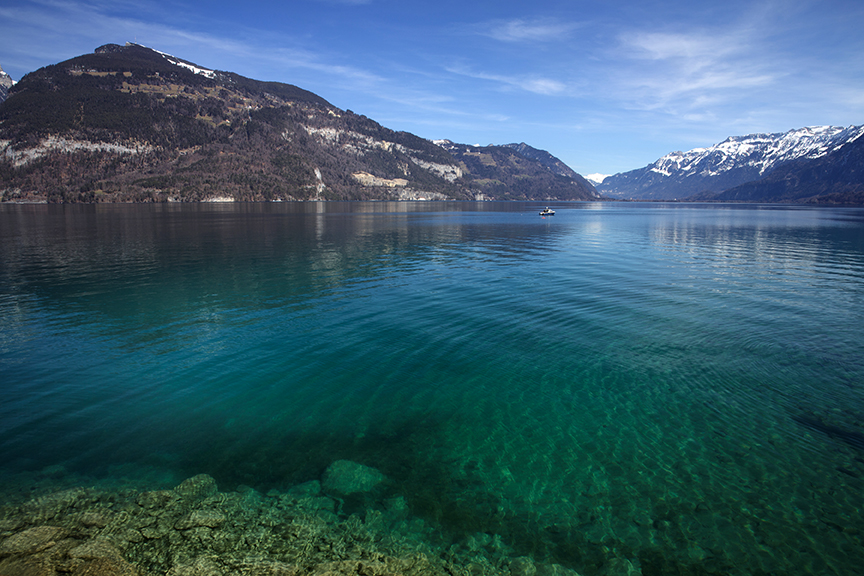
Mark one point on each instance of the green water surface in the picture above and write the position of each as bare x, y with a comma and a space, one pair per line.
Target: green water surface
678, 384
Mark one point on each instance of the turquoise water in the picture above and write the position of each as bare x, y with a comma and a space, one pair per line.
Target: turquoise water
678, 384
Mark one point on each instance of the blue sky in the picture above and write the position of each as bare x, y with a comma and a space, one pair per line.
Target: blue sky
605, 86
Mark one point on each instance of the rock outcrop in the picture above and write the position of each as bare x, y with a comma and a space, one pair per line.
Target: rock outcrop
5, 84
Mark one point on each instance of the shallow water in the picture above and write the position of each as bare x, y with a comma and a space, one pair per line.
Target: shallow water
682, 385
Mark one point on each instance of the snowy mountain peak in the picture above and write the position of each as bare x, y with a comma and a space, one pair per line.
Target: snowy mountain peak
596, 178
764, 151
732, 162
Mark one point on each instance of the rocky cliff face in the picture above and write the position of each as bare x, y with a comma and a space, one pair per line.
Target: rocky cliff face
733, 162
5, 83
128, 123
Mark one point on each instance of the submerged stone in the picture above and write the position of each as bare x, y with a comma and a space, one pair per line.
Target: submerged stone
622, 567
269, 569
200, 566
346, 477
96, 518
106, 567
197, 488
31, 541
196, 518
27, 566
97, 548
557, 570
156, 498
397, 507
311, 488
522, 566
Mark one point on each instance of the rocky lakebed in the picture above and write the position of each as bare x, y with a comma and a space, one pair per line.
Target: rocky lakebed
347, 522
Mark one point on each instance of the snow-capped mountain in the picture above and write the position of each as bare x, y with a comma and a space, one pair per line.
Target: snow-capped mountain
5, 83
596, 178
735, 161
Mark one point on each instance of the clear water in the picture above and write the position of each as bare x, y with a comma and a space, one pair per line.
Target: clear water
683, 384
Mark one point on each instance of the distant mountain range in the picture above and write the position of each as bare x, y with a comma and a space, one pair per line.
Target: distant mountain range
818, 164
128, 123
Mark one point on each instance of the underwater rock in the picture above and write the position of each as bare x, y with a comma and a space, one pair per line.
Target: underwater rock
96, 549
556, 570
311, 488
268, 569
156, 498
106, 567
196, 518
522, 566
346, 477
201, 566
385, 566
27, 566
10, 525
397, 507
622, 567
31, 541
58, 504
95, 518
197, 488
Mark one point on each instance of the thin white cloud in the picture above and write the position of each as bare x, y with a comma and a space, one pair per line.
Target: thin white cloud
691, 71
534, 84
540, 30
699, 47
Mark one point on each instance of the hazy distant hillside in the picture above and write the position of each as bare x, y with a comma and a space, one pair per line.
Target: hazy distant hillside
130, 123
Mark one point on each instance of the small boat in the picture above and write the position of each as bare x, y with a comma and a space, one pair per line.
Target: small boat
547, 212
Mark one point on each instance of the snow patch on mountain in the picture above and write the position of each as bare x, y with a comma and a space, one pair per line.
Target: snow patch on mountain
182, 63
596, 178
732, 162
763, 151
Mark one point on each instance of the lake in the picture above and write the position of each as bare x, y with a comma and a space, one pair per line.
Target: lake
652, 388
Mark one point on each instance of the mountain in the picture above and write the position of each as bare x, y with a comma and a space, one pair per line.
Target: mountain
596, 178
735, 161
520, 172
128, 123
545, 158
5, 83
835, 178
